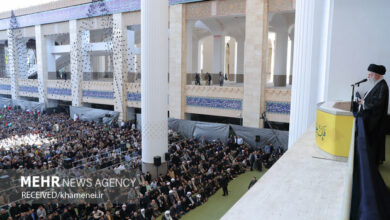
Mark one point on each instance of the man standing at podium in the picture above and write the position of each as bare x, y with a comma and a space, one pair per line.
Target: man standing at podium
373, 107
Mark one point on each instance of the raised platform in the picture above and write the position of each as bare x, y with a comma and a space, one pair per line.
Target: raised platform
305, 183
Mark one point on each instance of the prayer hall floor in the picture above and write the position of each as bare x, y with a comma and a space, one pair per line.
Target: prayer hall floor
218, 205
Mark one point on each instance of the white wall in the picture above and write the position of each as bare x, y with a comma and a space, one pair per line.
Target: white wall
360, 36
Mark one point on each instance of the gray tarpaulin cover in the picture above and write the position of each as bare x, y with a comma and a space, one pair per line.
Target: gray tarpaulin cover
211, 131
267, 136
5, 102
186, 128
173, 124
24, 105
91, 114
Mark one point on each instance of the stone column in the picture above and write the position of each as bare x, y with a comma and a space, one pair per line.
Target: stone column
119, 43
292, 59
13, 62
3, 67
76, 65
190, 44
256, 38
195, 55
240, 60
154, 83
87, 72
131, 66
218, 53
281, 58
41, 63
51, 63
311, 31
177, 61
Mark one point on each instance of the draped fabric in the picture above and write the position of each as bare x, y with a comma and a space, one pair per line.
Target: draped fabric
267, 136
4, 102
370, 195
96, 115
24, 104
213, 131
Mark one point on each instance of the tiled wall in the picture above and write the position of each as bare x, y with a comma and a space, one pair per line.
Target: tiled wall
28, 87
277, 104
59, 89
5, 87
98, 94
207, 102
277, 107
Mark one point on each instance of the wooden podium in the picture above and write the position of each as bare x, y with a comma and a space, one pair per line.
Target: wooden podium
334, 125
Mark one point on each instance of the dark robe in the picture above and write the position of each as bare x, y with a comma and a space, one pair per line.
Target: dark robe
374, 116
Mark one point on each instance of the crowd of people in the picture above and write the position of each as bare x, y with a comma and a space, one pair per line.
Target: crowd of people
196, 168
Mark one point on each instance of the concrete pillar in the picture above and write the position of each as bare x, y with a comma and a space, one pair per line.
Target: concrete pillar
120, 65
76, 65
240, 59
177, 61
42, 71
3, 67
292, 58
218, 53
154, 83
195, 56
50, 58
280, 71
22, 57
131, 66
87, 73
256, 38
13, 62
190, 46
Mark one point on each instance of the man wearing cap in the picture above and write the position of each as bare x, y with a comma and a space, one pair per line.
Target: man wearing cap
373, 108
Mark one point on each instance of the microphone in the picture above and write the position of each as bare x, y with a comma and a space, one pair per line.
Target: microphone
361, 81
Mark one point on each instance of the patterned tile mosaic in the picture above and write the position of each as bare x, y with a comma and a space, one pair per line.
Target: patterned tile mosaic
134, 97
32, 89
278, 107
56, 91
221, 103
5, 87
98, 94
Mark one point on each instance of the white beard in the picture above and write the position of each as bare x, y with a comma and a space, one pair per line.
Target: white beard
371, 81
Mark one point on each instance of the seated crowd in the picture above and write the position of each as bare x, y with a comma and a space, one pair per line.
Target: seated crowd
196, 168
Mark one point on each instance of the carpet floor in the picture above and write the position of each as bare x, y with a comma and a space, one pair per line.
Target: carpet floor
218, 205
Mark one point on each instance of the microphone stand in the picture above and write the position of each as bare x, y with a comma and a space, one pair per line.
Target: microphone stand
353, 93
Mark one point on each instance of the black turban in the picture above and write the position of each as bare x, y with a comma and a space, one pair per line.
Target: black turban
379, 69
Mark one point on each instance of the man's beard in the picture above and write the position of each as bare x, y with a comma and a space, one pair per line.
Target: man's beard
371, 81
